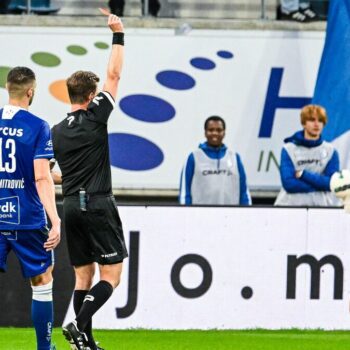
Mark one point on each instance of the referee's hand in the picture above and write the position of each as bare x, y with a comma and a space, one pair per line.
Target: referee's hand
114, 22
54, 237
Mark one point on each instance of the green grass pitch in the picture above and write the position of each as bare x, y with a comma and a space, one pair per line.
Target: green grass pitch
24, 339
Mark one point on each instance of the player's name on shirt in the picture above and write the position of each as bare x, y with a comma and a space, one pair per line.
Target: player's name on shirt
13, 183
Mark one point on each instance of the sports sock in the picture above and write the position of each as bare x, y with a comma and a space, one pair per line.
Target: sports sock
42, 315
95, 298
78, 300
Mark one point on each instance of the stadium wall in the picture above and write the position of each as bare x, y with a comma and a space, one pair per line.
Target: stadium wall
207, 267
232, 268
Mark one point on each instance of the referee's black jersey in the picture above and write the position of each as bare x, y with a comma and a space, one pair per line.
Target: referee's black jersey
81, 148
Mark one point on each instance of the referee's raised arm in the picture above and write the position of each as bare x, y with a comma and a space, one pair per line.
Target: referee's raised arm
115, 63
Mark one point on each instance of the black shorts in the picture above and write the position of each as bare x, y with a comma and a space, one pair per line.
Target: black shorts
95, 235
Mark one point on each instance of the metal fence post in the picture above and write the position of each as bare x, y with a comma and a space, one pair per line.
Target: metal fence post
263, 9
145, 8
29, 6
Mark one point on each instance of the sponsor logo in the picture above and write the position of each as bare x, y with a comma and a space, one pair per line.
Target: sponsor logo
70, 120
6, 131
309, 161
14, 183
9, 210
217, 172
9, 235
294, 263
48, 145
97, 100
109, 255
8, 207
49, 331
89, 298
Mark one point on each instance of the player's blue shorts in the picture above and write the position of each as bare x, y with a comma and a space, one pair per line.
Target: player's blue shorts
28, 246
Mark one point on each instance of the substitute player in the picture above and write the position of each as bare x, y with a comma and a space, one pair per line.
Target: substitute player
26, 188
93, 227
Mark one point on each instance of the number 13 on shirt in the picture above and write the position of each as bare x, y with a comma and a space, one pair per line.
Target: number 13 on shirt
7, 155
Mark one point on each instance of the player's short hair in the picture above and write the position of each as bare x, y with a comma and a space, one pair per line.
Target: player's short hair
310, 111
19, 80
80, 85
214, 118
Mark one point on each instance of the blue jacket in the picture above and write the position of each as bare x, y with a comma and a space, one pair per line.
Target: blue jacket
213, 153
309, 181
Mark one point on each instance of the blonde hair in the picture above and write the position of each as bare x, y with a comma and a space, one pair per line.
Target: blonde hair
310, 111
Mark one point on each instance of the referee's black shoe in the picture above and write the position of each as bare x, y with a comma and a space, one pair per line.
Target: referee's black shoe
76, 338
97, 347
94, 346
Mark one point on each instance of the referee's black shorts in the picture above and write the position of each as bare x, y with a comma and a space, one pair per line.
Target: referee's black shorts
95, 235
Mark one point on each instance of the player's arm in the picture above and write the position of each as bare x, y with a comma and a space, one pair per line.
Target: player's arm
244, 194
115, 63
185, 193
287, 172
46, 191
322, 181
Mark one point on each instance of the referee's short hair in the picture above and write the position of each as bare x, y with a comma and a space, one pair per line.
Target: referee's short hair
80, 85
19, 80
214, 118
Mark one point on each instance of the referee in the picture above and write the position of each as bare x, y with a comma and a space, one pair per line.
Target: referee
93, 227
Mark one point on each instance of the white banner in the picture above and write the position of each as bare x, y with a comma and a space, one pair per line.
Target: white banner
256, 81
231, 268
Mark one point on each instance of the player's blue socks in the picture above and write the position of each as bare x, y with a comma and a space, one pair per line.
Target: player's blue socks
42, 315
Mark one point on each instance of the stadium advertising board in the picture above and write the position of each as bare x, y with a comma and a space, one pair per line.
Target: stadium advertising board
231, 268
256, 80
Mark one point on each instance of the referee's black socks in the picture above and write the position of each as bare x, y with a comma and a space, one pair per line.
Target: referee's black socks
95, 298
78, 300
